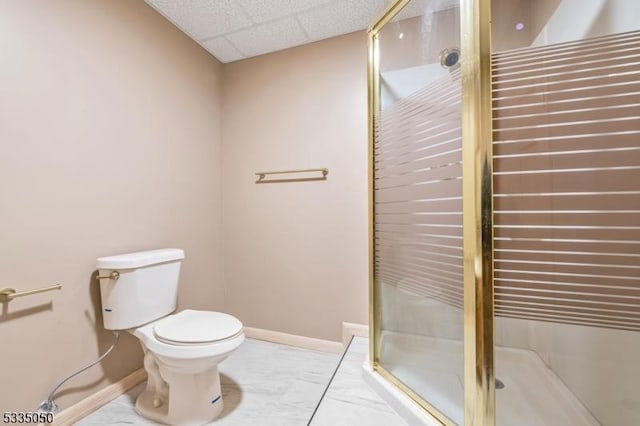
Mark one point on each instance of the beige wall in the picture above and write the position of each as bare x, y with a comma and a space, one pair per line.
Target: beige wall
110, 142
296, 253
110, 128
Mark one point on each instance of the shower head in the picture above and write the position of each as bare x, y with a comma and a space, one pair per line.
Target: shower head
450, 57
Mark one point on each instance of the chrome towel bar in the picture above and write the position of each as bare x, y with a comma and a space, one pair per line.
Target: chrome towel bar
8, 294
262, 175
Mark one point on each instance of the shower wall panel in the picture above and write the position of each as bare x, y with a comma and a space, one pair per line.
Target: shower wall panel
567, 217
567, 182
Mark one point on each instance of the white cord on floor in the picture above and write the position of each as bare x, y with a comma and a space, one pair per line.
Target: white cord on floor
49, 405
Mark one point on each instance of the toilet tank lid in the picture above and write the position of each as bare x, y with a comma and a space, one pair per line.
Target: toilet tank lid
139, 259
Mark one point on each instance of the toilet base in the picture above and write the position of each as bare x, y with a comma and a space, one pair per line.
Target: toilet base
145, 408
183, 384
180, 399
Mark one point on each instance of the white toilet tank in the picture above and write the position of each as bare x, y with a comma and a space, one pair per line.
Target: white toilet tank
146, 287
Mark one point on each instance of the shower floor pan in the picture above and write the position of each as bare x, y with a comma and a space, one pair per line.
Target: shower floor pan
533, 394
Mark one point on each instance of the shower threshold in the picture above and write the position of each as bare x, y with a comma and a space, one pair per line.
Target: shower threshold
532, 395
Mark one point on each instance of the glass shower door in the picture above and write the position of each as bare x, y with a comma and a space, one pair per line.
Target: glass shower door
417, 177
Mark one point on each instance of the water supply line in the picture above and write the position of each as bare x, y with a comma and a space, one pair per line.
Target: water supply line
49, 406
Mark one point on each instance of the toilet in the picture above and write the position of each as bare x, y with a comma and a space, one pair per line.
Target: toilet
181, 350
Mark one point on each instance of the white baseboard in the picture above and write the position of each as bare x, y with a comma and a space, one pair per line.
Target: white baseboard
350, 329
294, 340
90, 404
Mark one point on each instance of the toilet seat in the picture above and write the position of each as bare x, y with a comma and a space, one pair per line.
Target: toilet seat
181, 350
191, 327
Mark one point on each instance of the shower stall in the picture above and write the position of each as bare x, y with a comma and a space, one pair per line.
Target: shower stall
505, 211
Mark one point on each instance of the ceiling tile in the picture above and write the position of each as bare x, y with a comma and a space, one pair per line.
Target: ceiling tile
236, 29
269, 37
267, 10
341, 17
203, 18
222, 49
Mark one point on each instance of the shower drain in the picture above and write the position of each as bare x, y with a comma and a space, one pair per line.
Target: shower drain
499, 384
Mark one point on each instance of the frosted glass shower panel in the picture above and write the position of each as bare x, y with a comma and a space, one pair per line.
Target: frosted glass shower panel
566, 145
418, 205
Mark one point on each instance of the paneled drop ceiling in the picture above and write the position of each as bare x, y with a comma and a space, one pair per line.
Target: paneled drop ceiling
236, 29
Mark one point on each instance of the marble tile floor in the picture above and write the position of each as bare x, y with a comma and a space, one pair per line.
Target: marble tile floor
349, 400
269, 384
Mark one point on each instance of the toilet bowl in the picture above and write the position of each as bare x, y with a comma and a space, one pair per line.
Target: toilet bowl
182, 353
182, 350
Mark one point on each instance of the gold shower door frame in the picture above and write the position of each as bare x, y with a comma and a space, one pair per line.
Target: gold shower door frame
479, 374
